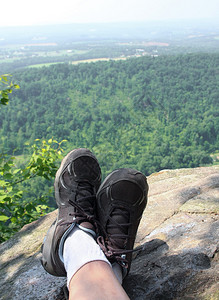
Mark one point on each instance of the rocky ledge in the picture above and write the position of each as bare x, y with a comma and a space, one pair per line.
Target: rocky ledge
179, 235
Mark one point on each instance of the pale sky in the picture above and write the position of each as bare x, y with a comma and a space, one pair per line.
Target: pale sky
41, 12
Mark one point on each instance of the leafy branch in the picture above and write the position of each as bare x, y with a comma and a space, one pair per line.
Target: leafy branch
6, 88
15, 212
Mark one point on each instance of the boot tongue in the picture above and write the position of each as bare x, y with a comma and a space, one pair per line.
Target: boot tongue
85, 191
117, 228
82, 193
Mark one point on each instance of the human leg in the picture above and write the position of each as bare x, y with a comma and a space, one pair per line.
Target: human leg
89, 273
79, 249
96, 281
76, 183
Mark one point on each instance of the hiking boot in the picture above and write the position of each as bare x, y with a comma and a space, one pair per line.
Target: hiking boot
121, 200
76, 184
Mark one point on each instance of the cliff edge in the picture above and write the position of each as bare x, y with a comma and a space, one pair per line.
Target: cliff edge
179, 232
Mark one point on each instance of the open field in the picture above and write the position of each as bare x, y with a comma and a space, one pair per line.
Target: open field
97, 59
77, 62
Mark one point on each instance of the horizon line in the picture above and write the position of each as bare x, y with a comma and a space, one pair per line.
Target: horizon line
214, 20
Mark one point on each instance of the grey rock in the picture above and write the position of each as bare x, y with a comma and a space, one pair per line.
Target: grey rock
177, 242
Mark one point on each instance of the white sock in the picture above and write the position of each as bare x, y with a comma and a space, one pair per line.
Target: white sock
79, 249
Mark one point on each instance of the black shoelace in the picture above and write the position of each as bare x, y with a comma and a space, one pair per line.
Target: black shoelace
83, 204
80, 214
110, 244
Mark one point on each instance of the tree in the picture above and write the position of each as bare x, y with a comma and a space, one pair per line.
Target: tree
6, 88
15, 212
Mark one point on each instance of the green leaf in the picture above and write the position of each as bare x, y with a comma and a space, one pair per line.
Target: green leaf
16, 171
8, 176
63, 141
4, 199
4, 218
7, 167
4, 78
13, 220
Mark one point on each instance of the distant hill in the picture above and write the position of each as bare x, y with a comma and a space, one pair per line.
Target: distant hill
25, 46
152, 30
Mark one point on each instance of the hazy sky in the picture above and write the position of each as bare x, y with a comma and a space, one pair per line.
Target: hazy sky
32, 12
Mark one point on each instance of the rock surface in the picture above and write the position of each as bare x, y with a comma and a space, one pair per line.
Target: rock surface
179, 232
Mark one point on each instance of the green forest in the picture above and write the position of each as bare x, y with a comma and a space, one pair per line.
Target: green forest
148, 113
